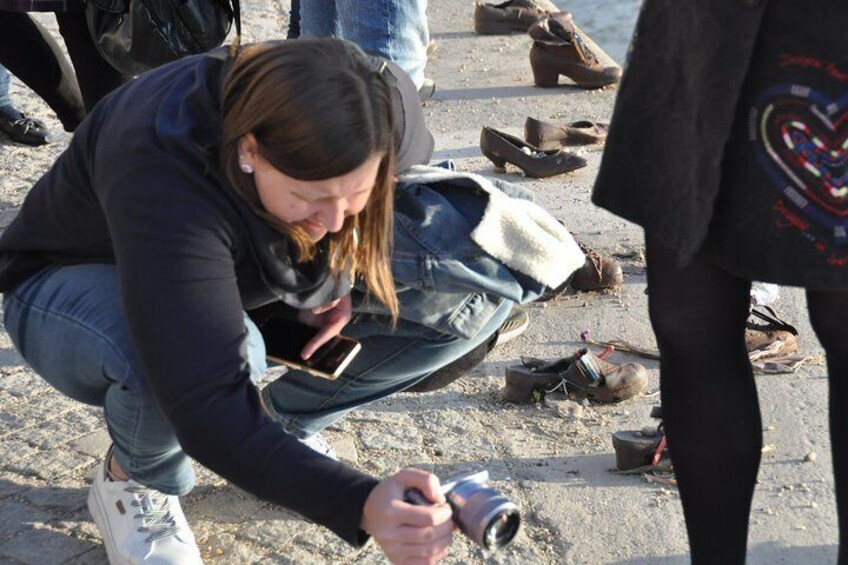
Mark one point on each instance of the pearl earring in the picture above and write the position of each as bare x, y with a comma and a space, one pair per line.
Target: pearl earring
245, 168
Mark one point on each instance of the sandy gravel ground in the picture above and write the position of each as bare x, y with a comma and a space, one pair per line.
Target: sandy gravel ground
554, 464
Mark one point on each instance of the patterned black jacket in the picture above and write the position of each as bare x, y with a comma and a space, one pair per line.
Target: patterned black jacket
676, 103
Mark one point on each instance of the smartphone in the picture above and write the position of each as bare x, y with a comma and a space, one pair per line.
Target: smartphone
285, 339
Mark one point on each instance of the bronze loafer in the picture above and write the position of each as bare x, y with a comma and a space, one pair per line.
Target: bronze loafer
501, 148
546, 135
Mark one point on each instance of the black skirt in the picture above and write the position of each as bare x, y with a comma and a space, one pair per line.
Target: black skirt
782, 211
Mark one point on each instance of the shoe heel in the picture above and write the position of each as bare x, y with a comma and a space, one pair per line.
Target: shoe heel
497, 162
544, 76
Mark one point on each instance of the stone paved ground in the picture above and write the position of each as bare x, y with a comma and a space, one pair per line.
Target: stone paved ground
555, 466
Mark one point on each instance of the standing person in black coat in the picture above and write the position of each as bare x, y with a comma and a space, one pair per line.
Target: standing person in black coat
727, 146
31, 54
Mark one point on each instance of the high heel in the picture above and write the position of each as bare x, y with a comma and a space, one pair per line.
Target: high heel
544, 76
501, 148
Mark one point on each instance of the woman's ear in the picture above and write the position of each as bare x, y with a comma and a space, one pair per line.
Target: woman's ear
248, 150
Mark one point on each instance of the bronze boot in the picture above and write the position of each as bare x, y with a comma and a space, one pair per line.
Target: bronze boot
559, 50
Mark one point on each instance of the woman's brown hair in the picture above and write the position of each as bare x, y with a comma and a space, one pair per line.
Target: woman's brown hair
318, 108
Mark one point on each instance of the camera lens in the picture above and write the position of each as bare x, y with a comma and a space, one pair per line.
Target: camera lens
501, 529
484, 515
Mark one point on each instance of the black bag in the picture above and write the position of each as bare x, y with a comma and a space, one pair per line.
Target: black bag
137, 35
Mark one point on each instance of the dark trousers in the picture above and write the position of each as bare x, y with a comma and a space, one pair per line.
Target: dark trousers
710, 406
32, 55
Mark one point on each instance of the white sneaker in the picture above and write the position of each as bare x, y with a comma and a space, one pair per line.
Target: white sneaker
139, 525
319, 444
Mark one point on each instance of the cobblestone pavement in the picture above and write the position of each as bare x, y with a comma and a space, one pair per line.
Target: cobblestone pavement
553, 464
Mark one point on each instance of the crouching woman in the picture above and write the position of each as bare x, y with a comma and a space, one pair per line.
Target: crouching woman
205, 188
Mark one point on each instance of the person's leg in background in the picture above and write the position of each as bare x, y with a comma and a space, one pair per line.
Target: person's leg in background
29, 52
394, 29
828, 312
389, 362
294, 20
95, 75
5, 83
709, 398
319, 18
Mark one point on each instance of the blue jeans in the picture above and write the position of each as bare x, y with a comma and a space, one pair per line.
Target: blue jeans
68, 323
5, 80
393, 29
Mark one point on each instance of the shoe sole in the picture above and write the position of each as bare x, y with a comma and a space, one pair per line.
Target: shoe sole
98, 512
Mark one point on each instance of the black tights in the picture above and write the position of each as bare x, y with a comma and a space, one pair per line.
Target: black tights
710, 406
31, 54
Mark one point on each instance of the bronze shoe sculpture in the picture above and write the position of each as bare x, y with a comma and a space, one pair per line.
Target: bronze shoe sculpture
598, 273
583, 374
501, 148
559, 50
510, 16
546, 135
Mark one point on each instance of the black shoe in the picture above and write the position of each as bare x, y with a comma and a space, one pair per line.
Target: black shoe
22, 129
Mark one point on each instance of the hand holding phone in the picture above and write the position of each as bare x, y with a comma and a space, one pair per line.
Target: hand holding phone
286, 340
330, 318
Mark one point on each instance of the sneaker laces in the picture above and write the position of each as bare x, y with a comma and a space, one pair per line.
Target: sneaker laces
25, 124
155, 513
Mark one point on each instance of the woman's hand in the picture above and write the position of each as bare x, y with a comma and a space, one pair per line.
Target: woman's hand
330, 317
409, 534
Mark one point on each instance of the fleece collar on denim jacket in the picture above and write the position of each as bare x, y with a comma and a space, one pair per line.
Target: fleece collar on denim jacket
516, 231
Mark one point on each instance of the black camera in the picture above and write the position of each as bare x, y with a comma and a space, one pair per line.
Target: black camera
482, 513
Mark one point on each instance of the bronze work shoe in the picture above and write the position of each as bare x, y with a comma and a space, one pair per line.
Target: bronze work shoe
510, 16
597, 273
546, 135
501, 148
583, 374
559, 50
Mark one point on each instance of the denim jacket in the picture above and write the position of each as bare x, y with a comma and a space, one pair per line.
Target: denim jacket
445, 280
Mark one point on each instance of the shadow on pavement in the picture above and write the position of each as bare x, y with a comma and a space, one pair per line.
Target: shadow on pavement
500, 92
761, 554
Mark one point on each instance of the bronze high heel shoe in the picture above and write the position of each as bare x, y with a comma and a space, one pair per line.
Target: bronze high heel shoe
502, 148
559, 50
